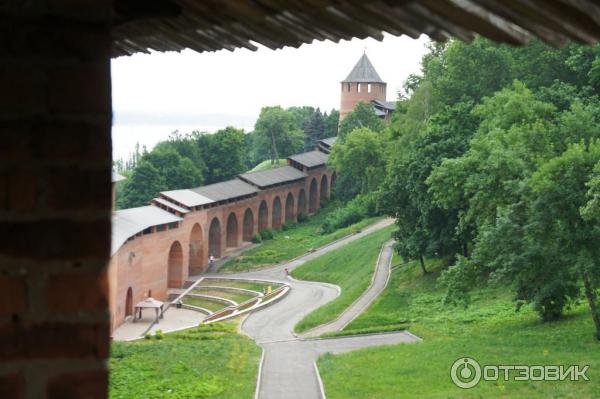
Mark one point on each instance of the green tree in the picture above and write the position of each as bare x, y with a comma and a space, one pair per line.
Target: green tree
186, 146
332, 122
224, 153
143, 185
591, 210
513, 137
425, 229
362, 116
314, 129
560, 254
276, 134
177, 172
360, 160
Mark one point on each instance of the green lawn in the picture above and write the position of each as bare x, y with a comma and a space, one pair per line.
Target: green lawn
248, 285
489, 331
350, 267
211, 361
291, 243
238, 297
213, 306
268, 165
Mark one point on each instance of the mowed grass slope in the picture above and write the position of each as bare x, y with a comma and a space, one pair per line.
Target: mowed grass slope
290, 243
351, 267
210, 361
489, 331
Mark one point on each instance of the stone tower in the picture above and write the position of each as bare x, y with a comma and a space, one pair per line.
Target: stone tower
362, 84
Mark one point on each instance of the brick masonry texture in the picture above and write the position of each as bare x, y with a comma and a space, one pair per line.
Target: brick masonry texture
55, 166
349, 98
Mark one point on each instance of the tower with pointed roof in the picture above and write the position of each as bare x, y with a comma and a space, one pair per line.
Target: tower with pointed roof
362, 84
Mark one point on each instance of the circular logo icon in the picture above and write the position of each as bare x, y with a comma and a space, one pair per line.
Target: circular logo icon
465, 373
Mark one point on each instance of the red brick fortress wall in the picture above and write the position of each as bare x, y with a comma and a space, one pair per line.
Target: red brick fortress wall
149, 269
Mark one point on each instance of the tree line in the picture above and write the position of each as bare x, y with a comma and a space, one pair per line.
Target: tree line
492, 162
199, 158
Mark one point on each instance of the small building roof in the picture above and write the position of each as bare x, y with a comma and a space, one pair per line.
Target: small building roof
187, 197
329, 141
229, 189
363, 72
270, 177
388, 105
169, 204
116, 177
310, 159
128, 222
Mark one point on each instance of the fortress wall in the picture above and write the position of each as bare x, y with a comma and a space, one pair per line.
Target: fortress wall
148, 268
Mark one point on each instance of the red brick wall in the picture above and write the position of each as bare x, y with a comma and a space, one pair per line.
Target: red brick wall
148, 269
55, 199
349, 99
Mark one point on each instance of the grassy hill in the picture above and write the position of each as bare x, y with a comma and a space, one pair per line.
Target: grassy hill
489, 330
351, 267
210, 361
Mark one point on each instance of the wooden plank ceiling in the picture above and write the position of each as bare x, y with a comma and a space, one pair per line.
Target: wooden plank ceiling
210, 25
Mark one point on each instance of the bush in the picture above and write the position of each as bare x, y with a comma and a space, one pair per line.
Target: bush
288, 225
361, 207
256, 238
159, 334
302, 217
266, 234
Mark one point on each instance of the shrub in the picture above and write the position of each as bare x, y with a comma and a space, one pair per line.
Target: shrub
159, 334
288, 225
266, 234
353, 212
256, 238
302, 217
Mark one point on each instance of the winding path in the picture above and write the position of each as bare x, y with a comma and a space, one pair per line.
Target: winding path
289, 369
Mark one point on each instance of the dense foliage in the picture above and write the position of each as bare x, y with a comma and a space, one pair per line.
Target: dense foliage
190, 160
491, 162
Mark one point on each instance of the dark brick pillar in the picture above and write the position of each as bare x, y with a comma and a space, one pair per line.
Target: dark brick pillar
55, 198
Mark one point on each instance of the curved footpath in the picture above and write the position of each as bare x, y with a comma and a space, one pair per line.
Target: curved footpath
379, 281
289, 369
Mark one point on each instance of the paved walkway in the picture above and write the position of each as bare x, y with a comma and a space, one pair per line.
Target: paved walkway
288, 370
378, 284
174, 319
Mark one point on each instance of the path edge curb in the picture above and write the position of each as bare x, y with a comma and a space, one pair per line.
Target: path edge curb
259, 375
319, 380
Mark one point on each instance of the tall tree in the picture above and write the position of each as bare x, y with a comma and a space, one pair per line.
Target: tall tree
425, 229
331, 123
143, 185
224, 153
314, 129
362, 116
276, 132
177, 172
360, 161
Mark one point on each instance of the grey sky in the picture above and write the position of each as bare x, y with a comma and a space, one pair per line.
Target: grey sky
156, 94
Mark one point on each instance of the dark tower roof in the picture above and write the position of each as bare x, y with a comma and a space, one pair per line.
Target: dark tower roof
363, 72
